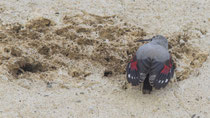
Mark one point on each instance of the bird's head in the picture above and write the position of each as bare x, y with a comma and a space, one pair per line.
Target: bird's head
157, 40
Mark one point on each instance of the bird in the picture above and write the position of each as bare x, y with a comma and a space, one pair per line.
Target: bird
151, 65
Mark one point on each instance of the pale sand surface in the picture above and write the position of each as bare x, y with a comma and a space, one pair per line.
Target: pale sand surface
103, 97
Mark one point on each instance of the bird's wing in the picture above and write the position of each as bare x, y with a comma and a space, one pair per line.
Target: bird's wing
133, 75
135, 71
161, 73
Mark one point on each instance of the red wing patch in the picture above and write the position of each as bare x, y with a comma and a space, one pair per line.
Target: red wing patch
134, 65
165, 70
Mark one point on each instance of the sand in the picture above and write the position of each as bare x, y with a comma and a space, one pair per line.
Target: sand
54, 55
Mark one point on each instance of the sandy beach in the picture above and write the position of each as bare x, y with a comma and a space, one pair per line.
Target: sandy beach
67, 58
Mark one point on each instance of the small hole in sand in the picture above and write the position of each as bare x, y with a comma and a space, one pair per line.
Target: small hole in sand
107, 73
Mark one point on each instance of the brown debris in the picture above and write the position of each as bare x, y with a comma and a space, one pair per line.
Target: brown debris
26, 64
104, 40
16, 52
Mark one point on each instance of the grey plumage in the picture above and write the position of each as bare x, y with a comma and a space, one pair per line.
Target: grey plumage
153, 62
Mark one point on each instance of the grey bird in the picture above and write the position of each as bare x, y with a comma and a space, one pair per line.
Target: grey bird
152, 65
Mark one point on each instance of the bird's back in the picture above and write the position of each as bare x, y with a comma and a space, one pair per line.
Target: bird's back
153, 52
